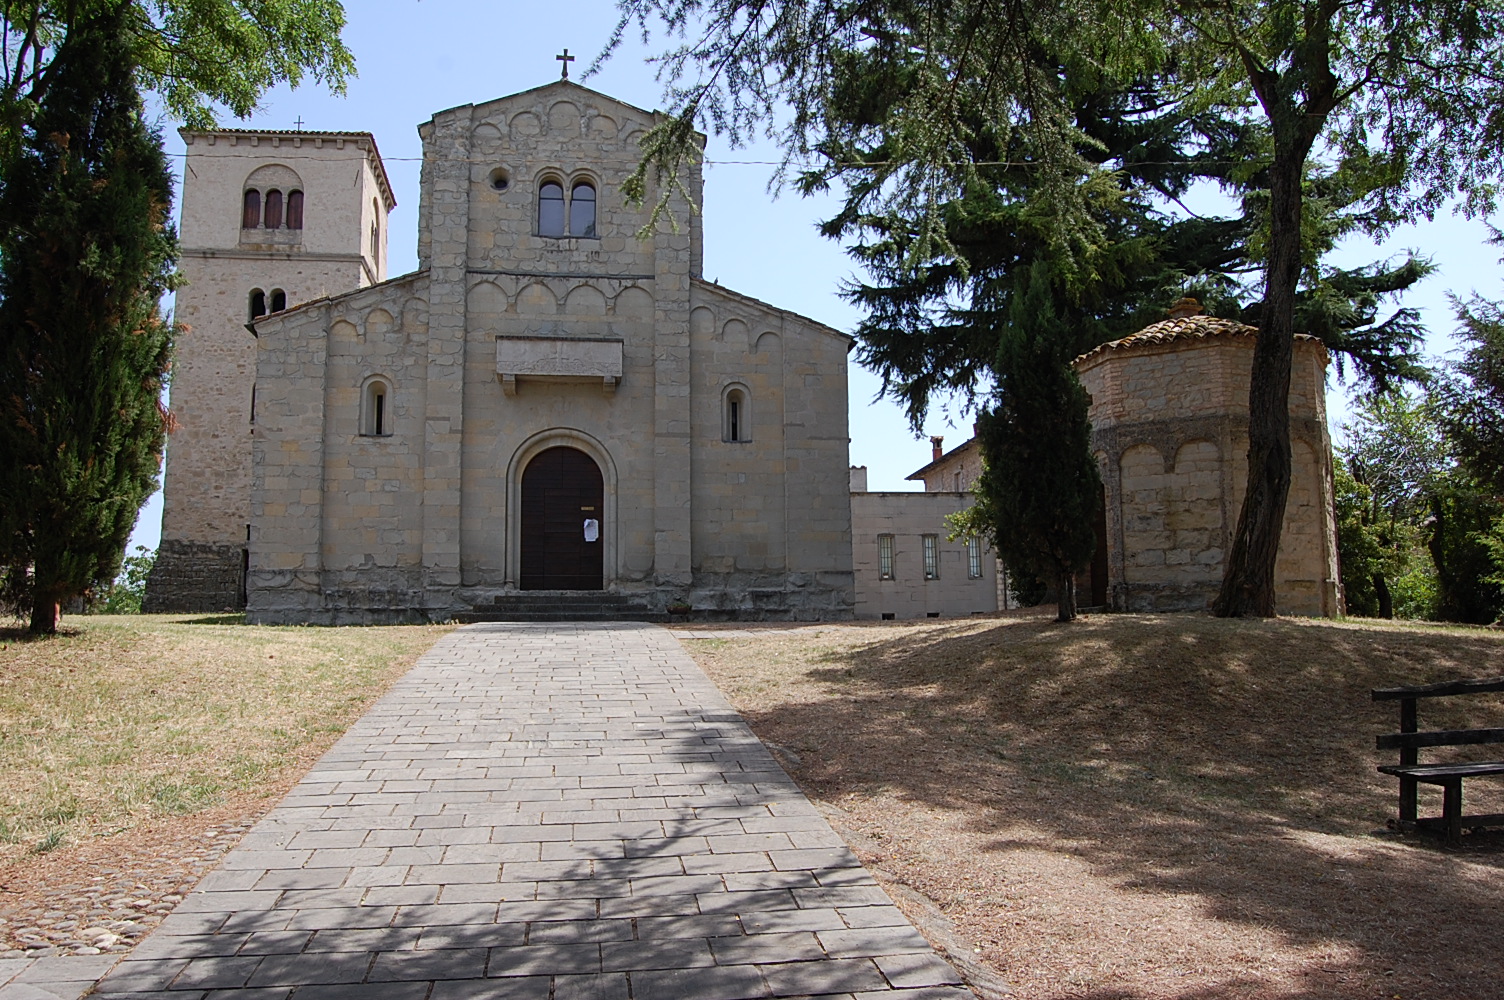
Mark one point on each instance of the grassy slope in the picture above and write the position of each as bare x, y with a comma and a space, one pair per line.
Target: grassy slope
124, 718
1147, 805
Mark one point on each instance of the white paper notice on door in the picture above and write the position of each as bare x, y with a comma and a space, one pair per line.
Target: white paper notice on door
592, 529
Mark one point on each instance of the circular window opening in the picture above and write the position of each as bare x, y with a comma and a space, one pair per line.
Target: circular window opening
500, 179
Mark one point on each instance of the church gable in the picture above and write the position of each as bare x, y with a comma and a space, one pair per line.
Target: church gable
558, 108
543, 171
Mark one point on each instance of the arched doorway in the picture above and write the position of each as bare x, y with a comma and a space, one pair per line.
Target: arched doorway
562, 490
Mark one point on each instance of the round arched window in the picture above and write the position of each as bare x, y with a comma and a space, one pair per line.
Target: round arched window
582, 211
551, 209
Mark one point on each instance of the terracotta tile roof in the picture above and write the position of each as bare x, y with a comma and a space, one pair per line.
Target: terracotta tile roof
307, 133
1179, 328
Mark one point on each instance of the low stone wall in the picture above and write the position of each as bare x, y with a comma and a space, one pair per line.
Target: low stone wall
196, 576
397, 598
771, 597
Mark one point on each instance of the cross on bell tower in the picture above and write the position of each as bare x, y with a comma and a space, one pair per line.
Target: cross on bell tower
565, 60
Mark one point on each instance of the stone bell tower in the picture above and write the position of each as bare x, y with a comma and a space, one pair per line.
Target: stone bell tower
270, 219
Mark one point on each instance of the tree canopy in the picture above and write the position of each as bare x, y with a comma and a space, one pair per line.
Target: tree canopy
88, 255
1396, 105
1039, 487
195, 54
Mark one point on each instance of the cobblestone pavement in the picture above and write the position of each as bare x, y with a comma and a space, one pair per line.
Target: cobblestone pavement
539, 812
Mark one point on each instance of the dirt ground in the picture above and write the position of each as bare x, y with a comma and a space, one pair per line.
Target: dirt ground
1135, 807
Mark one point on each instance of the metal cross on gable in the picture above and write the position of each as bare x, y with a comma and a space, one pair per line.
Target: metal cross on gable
299, 123
565, 60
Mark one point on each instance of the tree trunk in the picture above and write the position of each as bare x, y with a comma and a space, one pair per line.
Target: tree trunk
1065, 606
1248, 579
44, 615
1386, 599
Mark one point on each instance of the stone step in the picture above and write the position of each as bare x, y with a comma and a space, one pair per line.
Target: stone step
557, 606
558, 615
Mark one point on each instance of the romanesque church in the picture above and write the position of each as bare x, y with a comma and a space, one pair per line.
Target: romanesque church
549, 403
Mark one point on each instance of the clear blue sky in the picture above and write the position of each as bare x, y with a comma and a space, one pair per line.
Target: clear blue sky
417, 58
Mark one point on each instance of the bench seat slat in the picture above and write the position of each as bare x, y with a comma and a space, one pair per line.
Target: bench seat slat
1437, 774
1440, 738
1437, 690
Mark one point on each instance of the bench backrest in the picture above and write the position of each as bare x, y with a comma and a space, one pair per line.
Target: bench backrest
1408, 740
1478, 686
1439, 738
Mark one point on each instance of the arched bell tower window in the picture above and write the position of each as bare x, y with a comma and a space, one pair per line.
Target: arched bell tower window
551, 209
256, 308
272, 219
250, 215
272, 199
376, 408
582, 210
736, 414
278, 300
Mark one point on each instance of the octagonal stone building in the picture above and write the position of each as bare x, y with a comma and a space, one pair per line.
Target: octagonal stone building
1169, 415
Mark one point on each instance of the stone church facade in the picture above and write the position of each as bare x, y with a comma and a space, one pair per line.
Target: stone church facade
548, 404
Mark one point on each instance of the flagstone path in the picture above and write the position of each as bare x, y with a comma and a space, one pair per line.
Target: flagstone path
539, 812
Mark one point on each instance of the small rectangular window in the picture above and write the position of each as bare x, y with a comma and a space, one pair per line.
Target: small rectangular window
885, 557
974, 558
932, 557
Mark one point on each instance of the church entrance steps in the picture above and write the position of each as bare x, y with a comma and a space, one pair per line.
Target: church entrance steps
561, 606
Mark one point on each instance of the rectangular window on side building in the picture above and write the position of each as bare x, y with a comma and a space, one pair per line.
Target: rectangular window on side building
885, 557
974, 558
932, 557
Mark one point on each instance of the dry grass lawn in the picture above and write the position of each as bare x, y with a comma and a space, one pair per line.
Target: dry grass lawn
120, 720
1142, 806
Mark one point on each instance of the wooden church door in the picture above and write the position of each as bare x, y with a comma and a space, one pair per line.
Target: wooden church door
562, 491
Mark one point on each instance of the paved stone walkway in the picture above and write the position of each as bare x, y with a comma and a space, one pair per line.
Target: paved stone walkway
541, 812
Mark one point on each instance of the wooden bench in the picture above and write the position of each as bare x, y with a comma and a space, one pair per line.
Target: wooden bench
1449, 776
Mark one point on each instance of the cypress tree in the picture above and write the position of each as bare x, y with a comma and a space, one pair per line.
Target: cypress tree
86, 255
1039, 487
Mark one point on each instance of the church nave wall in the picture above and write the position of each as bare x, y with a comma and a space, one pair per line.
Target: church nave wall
771, 523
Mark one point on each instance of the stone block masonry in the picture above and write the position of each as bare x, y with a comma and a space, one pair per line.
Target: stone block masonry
196, 576
1169, 414
339, 245
541, 812
514, 339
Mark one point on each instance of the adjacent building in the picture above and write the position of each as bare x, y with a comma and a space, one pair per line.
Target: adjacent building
906, 564
269, 219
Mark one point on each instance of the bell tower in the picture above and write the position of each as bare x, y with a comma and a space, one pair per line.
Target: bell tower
270, 219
